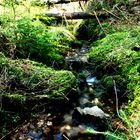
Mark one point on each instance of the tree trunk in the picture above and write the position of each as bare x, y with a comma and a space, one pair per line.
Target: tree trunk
76, 15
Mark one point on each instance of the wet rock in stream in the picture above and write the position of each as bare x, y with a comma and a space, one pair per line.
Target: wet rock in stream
91, 81
89, 121
93, 111
79, 58
87, 113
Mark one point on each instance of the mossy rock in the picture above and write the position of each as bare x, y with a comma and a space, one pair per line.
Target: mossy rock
32, 78
27, 85
115, 55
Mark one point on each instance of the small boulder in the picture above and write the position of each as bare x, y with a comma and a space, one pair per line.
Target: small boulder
93, 111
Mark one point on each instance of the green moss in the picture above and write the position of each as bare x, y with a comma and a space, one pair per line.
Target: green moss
14, 97
34, 39
116, 52
108, 81
34, 78
135, 104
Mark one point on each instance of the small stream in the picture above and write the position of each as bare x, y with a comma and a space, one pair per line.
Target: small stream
84, 114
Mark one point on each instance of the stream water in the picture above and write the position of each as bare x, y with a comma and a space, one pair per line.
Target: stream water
73, 120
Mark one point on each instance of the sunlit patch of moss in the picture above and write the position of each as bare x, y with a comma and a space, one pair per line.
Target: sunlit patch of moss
135, 104
117, 49
36, 40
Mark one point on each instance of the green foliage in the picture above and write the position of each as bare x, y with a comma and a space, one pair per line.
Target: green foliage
108, 135
14, 97
135, 104
99, 27
25, 33
4, 46
116, 52
95, 31
130, 126
38, 3
9, 120
29, 38
107, 4
33, 39
119, 2
108, 80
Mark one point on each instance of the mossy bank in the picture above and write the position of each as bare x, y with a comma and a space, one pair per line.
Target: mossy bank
33, 78
117, 56
26, 84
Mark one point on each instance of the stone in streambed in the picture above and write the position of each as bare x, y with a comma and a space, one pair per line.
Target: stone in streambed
93, 111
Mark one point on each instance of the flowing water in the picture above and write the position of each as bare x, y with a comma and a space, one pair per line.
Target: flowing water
80, 112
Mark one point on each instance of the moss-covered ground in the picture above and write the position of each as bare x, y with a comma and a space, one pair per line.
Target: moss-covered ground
116, 57
33, 78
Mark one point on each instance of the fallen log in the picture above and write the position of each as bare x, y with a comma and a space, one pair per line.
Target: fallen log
76, 15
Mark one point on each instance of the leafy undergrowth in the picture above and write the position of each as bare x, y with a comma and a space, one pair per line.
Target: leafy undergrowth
34, 40
117, 57
29, 43
117, 16
23, 35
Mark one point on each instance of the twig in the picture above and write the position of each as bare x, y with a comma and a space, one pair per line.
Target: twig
112, 13
65, 96
80, 5
64, 16
6, 111
116, 94
121, 12
99, 22
51, 88
8, 134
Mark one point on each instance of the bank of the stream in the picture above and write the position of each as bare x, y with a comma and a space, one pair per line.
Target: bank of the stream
62, 105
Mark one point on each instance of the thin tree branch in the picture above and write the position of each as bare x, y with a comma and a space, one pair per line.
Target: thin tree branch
112, 14
116, 95
99, 22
